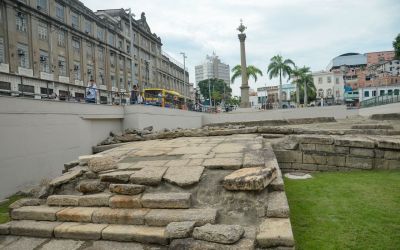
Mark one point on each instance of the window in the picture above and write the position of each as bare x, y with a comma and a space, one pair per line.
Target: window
74, 20
88, 27
21, 22
42, 5
61, 38
382, 92
89, 50
128, 49
390, 92
42, 31
111, 39
59, 12
112, 80
329, 79
320, 80
366, 93
101, 76
90, 72
121, 80
100, 33
76, 45
23, 56
337, 80
2, 55
112, 59
119, 44
100, 55
396, 92
121, 62
77, 70
44, 61
62, 66
373, 92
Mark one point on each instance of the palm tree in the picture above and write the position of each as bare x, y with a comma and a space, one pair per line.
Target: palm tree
252, 71
304, 83
282, 68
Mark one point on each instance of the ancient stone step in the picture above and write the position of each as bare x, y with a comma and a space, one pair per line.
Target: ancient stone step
177, 230
63, 200
162, 217
278, 206
249, 178
127, 189
125, 201
166, 200
225, 234
119, 216
148, 175
183, 176
33, 228
94, 200
76, 214
192, 244
80, 231
275, 232
116, 177
142, 234
66, 177
43, 213
5, 228
91, 186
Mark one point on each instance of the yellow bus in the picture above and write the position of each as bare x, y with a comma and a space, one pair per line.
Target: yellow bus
163, 98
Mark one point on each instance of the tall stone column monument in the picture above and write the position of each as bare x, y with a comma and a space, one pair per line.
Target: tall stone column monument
244, 103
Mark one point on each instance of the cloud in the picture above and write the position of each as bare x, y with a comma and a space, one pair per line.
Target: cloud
310, 32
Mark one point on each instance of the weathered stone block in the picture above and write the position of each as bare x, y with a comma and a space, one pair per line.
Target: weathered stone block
342, 150
84, 159
339, 161
253, 159
127, 189
63, 200
307, 147
81, 231
277, 184
166, 200
356, 142
148, 176
76, 214
364, 152
391, 143
289, 156
25, 202
66, 177
116, 177
184, 176
326, 168
305, 166
278, 206
249, 178
125, 201
275, 232
386, 164
192, 244
225, 234
176, 230
392, 155
162, 217
314, 159
314, 139
91, 186
35, 213
5, 228
325, 148
94, 200
379, 153
359, 162
33, 228
142, 234
106, 215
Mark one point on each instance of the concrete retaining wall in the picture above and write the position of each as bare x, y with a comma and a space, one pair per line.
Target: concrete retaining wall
383, 109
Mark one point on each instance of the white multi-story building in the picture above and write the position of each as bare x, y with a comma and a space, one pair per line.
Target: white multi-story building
329, 86
212, 68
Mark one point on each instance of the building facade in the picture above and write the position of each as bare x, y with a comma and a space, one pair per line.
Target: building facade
329, 86
212, 68
64, 43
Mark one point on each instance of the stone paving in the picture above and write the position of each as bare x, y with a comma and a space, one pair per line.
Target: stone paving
183, 193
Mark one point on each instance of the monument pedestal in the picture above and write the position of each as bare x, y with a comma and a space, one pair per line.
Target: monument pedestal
244, 103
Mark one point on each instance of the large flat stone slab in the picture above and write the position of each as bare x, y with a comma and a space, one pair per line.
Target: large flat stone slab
56, 244
127, 189
33, 228
148, 176
184, 176
253, 159
80, 231
91, 186
116, 177
102, 163
94, 200
162, 217
125, 201
76, 214
66, 177
275, 232
25, 202
278, 206
192, 244
190, 150
142, 234
225, 234
249, 178
229, 148
166, 200
357, 142
42, 213
21, 243
119, 216
223, 163
63, 200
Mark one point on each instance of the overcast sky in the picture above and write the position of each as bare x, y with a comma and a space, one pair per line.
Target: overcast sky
310, 32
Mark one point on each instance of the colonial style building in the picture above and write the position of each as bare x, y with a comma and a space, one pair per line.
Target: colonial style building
329, 86
65, 44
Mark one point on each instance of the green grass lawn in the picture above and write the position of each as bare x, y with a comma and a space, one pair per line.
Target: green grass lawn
4, 217
349, 210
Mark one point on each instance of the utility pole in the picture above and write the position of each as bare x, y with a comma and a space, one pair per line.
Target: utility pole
184, 68
209, 91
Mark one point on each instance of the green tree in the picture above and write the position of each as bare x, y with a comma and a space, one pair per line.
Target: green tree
396, 46
282, 68
305, 88
219, 89
252, 71
234, 100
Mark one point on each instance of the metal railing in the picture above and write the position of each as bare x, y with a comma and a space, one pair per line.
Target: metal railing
380, 100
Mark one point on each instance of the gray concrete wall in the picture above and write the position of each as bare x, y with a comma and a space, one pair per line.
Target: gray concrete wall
139, 116
383, 109
339, 112
37, 137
